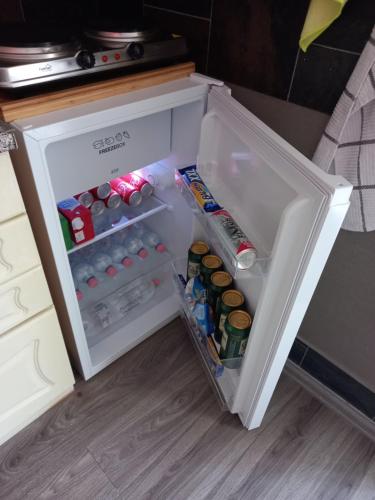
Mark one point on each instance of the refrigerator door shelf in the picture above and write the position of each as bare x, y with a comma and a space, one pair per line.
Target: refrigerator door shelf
215, 240
129, 216
223, 380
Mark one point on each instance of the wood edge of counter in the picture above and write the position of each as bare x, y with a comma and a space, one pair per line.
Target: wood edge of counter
53, 101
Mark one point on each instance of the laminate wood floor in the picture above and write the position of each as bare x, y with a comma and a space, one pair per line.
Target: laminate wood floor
148, 427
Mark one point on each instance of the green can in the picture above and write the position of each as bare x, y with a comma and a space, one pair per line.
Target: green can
235, 335
196, 253
220, 281
229, 301
210, 264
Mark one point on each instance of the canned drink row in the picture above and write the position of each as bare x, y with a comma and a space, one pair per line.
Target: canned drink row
231, 320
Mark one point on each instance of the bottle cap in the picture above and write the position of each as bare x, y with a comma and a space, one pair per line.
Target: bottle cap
111, 271
156, 281
127, 262
160, 247
79, 295
143, 253
92, 282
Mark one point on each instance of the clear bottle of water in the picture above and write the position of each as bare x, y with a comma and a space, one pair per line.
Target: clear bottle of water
152, 239
119, 255
83, 272
102, 262
138, 292
135, 247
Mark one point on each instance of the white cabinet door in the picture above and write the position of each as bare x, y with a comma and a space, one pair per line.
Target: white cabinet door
23, 297
18, 251
34, 371
292, 211
10, 196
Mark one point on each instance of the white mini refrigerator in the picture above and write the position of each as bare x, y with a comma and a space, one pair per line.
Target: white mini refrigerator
289, 209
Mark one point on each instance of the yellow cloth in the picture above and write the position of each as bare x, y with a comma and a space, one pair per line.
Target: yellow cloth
320, 15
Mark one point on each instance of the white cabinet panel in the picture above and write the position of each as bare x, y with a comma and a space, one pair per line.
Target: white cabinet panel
18, 252
10, 196
22, 298
34, 371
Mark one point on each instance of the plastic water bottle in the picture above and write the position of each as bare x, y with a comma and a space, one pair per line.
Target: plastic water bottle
147, 290
130, 296
152, 240
137, 230
102, 262
101, 222
135, 247
119, 255
85, 273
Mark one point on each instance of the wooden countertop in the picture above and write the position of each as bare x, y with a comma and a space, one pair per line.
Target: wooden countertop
13, 109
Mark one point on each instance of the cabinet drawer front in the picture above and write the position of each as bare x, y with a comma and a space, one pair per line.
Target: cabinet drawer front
18, 251
34, 371
10, 196
22, 298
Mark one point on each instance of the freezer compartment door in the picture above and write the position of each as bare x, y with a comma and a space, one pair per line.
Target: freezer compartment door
292, 211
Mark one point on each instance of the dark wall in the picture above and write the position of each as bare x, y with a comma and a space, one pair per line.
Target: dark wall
254, 43
67, 12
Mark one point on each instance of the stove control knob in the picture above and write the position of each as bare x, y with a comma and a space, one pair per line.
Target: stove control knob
85, 59
135, 50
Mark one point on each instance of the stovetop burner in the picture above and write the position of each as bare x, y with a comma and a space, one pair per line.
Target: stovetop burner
34, 54
114, 35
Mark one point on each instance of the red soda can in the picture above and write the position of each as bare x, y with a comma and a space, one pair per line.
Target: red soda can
79, 218
102, 191
129, 194
86, 198
139, 183
113, 200
97, 207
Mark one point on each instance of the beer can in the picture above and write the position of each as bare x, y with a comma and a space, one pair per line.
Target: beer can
196, 252
235, 335
113, 200
241, 250
210, 264
229, 301
102, 191
139, 183
220, 281
129, 194
85, 198
97, 207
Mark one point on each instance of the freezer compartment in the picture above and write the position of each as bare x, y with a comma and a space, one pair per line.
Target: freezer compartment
262, 261
223, 375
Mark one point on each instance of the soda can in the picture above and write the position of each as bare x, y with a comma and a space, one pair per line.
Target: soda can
97, 207
235, 335
220, 281
209, 265
102, 191
242, 251
129, 194
113, 200
139, 183
228, 302
196, 252
85, 198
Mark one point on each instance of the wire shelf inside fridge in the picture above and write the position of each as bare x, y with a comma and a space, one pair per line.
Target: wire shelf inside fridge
262, 261
127, 217
222, 375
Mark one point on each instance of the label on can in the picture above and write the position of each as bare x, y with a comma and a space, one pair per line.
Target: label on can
224, 340
222, 319
193, 269
139, 183
235, 238
242, 348
129, 194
